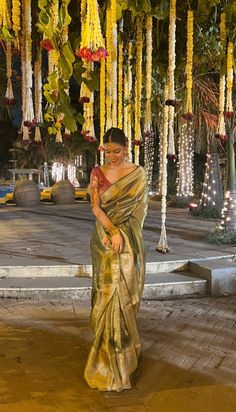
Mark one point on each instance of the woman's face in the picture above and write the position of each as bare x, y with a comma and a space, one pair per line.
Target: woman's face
114, 153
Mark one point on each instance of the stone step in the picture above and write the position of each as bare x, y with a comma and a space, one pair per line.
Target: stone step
220, 274
157, 286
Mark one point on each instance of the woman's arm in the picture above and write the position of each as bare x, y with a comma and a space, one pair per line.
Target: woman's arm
116, 238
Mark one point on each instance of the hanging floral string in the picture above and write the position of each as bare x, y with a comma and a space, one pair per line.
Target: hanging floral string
229, 104
108, 69
38, 97
28, 119
9, 99
221, 132
138, 92
120, 80
148, 131
128, 84
4, 15
102, 108
92, 43
162, 246
171, 101
114, 63
16, 13
86, 96
186, 136
188, 115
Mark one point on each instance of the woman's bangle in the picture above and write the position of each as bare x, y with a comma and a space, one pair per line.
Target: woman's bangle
114, 231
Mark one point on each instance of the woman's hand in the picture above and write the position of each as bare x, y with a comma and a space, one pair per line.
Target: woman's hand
117, 242
106, 241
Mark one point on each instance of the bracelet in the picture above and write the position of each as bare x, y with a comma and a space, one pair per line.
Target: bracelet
114, 231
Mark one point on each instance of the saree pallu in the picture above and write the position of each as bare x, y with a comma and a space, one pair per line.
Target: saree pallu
118, 280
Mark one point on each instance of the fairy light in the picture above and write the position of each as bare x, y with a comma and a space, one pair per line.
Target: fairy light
128, 84
58, 171
138, 92
185, 164
148, 131
212, 194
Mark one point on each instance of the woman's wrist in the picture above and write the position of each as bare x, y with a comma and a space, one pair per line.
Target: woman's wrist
114, 231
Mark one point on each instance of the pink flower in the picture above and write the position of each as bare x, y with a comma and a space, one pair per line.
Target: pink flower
46, 44
101, 53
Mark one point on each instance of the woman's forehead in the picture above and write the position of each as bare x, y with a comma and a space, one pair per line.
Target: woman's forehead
112, 146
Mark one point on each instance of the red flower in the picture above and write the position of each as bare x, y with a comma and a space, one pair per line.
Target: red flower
101, 148
228, 115
84, 99
84, 53
187, 116
8, 102
66, 136
84, 132
101, 53
138, 142
172, 157
46, 44
30, 124
88, 139
172, 102
223, 137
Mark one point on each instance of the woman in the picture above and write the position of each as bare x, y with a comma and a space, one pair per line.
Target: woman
119, 203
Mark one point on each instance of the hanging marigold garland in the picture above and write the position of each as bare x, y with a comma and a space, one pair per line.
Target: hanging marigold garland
108, 69
229, 103
188, 115
186, 137
138, 91
114, 63
92, 43
16, 13
148, 131
102, 109
162, 246
28, 119
38, 97
171, 101
120, 80
221, 132
128, 84
9, 99
4, 15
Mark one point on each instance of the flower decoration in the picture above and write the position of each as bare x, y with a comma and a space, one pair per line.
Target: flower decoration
46, 44
188, 116
138, 142
84, 99
100, 148
228, 115
92, 43
172, 102
172, 157
8, 102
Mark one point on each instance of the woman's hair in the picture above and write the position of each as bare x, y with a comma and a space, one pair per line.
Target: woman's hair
115, 135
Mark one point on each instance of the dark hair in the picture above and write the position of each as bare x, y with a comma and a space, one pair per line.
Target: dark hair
115, 135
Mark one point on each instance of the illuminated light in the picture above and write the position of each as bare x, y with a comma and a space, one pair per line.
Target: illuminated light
228, 219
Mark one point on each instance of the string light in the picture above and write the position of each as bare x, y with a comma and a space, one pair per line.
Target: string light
212, 194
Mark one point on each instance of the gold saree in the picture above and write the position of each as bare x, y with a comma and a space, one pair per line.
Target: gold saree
118, 280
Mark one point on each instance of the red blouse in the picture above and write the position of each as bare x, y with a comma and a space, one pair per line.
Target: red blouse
104, 183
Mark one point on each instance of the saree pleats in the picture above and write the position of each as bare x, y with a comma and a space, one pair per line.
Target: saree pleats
118, 281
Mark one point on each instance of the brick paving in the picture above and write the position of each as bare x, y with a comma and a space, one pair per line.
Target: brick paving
188, 365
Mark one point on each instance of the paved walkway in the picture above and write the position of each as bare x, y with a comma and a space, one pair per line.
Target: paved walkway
189, 362
54, 235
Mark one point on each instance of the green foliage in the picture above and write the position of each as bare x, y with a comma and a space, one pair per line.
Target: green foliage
222, 236
206, 212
